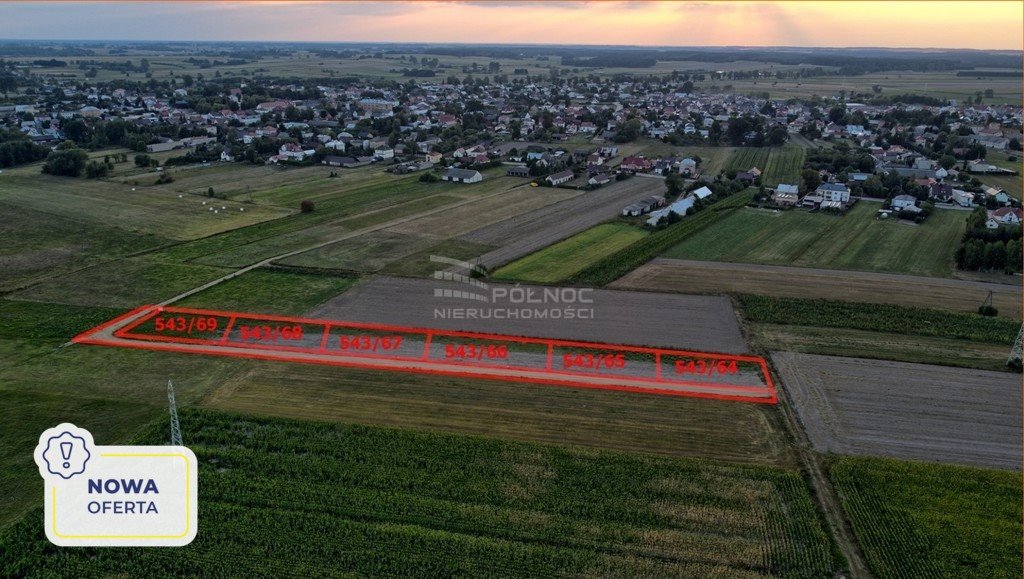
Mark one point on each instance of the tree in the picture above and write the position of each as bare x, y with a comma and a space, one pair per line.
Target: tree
673, 185
811, 179
66, 161
737, 129
96, 170
974, 254
142, 160
1013, 255
8, 83
77, 130
629, 131
836, 114
777, 136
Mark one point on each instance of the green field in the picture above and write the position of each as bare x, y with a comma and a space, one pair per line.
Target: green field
128, 283
879, 318
562, 260
927, 520
784, 165
941, 85
152, 210
856, 241
368, 252
810, 339
112, 392
272, 291
419, 265
747, 158
309, 498
617, 264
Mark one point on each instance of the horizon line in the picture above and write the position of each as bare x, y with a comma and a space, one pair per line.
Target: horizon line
514, 44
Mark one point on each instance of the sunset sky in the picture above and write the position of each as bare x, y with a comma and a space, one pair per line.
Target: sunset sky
998, 25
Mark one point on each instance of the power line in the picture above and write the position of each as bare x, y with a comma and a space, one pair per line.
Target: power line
1015, 353
175, 427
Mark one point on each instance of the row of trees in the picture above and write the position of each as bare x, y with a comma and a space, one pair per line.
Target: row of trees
17, 149
996, 256
989, 249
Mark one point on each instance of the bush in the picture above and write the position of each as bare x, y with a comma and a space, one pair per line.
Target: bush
96, 170
307, 206
429, 177
988, 310
66, 161
164, 178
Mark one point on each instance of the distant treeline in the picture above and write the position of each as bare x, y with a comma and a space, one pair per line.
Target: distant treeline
419, 72
611, 60
52, 63
847, 61
993, 73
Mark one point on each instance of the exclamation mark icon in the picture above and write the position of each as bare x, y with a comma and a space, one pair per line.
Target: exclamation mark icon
65, 451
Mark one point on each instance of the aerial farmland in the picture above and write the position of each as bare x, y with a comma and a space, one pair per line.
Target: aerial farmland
521, 310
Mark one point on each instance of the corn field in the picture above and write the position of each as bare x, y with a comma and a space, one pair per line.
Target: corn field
879, 318
293, 498
927, 520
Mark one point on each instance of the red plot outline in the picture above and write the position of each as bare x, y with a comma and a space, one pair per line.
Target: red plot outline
128, 338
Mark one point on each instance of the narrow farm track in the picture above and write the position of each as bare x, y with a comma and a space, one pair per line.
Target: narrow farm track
824, 492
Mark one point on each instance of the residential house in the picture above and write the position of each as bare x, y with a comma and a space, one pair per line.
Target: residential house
561, 177
635, 164
835, 192
905, 203
996, 193
1007, 215
688, 167
463, 176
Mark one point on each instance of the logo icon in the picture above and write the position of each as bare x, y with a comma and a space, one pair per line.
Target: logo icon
64, 451
448, 275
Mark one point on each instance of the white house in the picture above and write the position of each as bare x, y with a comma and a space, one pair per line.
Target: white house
835, 192
463, 176
963, 198
905, 203
1007, 215
561, 177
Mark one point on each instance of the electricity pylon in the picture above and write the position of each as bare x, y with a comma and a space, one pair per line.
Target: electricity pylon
175, 427
1015, 353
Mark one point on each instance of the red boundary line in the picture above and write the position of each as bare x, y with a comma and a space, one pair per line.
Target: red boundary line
166, 343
